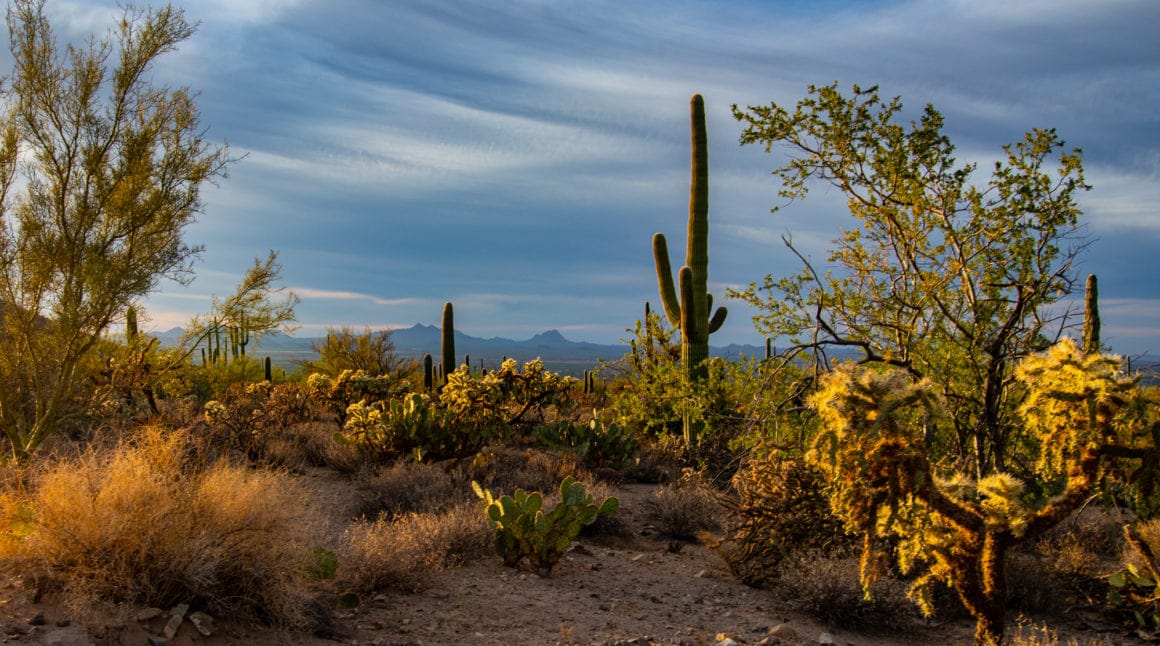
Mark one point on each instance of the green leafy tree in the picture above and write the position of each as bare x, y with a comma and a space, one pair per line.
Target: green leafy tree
371, 352
100, 173
948, 280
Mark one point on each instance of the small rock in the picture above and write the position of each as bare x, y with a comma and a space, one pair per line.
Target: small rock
783, 631
727, 642
157, 640
700, 575
202, 622
37, 619
172, 625
149, 613
438, 594
73, 636
825, 638
63, 623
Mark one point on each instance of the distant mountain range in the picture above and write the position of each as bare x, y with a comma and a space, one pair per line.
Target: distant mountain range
558, 353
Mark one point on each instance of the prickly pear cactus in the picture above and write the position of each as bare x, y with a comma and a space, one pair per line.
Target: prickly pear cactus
524, 530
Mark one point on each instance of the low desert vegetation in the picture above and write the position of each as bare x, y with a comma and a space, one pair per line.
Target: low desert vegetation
929, 439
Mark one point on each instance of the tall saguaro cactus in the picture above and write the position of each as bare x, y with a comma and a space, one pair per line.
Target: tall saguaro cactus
688, 309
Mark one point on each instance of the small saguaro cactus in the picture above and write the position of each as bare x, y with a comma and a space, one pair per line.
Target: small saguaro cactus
448, 339
130, 324
1091, 316
428, 372
269, 370
690, 312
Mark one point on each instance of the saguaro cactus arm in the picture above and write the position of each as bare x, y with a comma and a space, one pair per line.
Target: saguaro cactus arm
665, 285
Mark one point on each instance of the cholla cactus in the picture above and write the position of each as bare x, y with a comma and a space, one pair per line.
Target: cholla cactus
1079, 407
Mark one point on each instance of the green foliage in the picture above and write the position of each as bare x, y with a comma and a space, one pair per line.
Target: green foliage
524, 530
410, 425
506, 395
100, 174
599, 443
371, 352
947, 280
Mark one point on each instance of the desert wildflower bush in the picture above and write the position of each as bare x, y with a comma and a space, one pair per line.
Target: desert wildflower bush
142, 523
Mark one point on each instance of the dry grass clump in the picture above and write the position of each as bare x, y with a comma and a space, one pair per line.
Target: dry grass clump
827, 587
683, 509
1086, 545
311, 444
142, 524
399, 553
407, 487
503, 470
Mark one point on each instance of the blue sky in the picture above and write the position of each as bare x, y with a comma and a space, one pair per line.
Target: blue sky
516, 156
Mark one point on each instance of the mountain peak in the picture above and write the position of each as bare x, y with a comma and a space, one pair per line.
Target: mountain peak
551, 336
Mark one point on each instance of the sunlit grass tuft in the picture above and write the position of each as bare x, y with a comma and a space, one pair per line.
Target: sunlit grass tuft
143, 524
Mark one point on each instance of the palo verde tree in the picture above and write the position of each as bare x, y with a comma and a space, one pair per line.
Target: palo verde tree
100, 173
252, 311
946, 279
370, 351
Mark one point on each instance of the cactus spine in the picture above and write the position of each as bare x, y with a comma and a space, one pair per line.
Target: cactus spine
690, 311
448, 339
1091, 315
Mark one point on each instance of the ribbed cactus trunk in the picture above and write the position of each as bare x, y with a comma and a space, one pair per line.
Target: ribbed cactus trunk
131, 324
1091, 315
689, 308
448, 340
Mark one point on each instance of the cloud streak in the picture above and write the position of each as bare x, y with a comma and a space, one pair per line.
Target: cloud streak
516, 157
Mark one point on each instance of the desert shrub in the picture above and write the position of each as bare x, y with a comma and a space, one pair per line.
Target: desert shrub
781, 509
399, 553
144, 524
659, 460
311, 444
686, 507
503, 470
826, 587
409, 487
248, 417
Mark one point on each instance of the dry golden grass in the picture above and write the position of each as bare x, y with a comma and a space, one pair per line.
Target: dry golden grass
142, 523
397, 553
